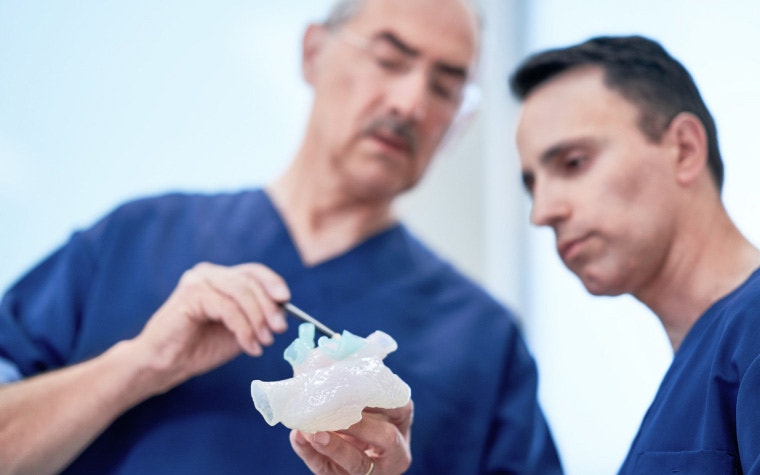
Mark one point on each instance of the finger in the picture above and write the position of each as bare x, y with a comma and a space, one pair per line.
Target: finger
223, 297
376, 421
274, 291
246, 284
343, 454
269, 317
219, 308
384, 434
224, 310
317, 463
245, 293
275, 285
373, 435
402, 417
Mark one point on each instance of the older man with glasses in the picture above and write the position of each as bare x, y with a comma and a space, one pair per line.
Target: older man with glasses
132, 346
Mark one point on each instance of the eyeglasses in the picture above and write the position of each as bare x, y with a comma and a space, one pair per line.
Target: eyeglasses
391, 57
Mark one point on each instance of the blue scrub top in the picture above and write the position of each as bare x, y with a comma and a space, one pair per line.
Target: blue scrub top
705, 418
473, 380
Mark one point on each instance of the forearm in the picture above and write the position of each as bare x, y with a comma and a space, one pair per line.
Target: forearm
46, 421
213, 315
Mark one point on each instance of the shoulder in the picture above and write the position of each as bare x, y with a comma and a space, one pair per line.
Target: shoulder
172, 208
739, 322
171, 216
741, 308
186, 203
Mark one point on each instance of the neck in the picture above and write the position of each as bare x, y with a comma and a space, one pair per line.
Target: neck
324, 221
710, 260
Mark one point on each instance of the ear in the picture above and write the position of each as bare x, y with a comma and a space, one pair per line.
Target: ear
690, 140
313, 41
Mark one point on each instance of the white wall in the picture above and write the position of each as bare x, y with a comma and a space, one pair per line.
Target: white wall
101, 101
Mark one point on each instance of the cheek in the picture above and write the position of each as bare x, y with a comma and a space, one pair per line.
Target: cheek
349, 100
635, 228
431, 134
624, 185
614, 206
433, 130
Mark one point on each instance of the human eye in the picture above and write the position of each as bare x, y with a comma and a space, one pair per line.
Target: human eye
445, 87
443, 90
391, 64
528, 182
389, 58
573, 162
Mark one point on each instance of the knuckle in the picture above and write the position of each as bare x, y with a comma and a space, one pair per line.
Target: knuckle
406, 464
194, 273
203, 266
254, 268
188, 279
391, 437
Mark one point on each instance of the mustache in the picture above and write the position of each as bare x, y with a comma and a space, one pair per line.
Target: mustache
399, 129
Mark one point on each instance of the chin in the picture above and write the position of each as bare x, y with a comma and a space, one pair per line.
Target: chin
382, 187
601, 287
601, 292
373, 191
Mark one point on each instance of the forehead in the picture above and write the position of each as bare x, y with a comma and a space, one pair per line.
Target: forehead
443, 30
574, 105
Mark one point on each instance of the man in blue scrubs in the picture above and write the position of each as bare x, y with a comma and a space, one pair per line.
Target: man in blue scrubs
621, 158
130, 350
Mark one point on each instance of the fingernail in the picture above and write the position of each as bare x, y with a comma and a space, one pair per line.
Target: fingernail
255, 349
279, 292
278, 322
300, 439
321, 438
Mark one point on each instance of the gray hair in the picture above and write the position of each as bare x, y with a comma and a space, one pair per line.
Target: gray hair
341, 12
344, 10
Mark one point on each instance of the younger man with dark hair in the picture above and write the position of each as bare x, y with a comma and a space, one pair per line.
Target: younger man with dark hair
620, 156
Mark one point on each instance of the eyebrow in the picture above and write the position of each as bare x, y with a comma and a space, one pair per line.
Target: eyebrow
551, 154
398, 43
406, 49
528, 177
564, 147
458, 71
554, 152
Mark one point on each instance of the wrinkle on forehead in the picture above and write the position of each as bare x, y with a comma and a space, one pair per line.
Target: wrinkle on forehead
446, 30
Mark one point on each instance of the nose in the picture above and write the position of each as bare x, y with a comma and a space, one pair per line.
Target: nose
408, 96
550, 205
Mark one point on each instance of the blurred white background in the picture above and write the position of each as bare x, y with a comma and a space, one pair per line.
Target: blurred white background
103, 101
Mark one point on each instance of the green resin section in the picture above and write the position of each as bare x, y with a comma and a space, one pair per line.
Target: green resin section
296, 352
335, 348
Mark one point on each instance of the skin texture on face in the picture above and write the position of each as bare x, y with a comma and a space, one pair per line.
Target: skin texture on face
608, 192
376, 126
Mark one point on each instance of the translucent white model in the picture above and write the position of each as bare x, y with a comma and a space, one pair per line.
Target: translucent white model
332, 383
